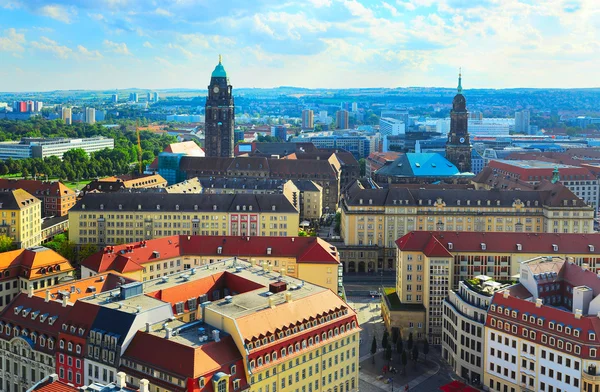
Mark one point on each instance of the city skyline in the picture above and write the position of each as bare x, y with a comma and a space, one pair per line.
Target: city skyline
120, 44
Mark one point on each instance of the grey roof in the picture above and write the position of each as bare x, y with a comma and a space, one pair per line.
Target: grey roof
182, 202
241, 183
306, 185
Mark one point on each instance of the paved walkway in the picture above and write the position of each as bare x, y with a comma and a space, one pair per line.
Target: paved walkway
373, 380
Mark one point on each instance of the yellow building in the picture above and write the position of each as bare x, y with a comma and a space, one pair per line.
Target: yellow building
307, 196
307, 258
117, 218
372, 219
21, 215
25, 270
430, 264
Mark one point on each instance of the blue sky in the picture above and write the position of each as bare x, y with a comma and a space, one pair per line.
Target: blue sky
108, 44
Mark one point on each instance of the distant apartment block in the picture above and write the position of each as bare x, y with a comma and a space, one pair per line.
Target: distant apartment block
42, 148
391, 126
308, 119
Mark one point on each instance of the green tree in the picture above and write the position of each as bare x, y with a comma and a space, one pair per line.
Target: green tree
86, 251
384, 339
6, 243
425, 348
410, 343
415, 355
373, 348
24, 172
399, 346
338, 221
404, 360
363, 166
388, 352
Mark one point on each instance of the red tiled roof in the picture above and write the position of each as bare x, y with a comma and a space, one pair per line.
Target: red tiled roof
192, 362
38, 188
503, 242
125, 258
56, 386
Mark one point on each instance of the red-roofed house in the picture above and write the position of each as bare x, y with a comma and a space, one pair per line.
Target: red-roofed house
307, 258
457, 256
547, 339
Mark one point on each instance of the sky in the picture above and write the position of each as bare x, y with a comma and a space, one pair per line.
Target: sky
118, 44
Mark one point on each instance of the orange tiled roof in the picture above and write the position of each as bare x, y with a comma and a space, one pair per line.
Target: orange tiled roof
272, 319
34, 262
85, 287
38, 188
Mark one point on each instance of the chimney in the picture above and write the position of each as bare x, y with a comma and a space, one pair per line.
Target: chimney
47, 296
288, 297
65, 300
539, 302
215, 334
144, 385
577, 314
169, 333
147, 327
30, 291
585, 266
505, 294
121, 380
271, 302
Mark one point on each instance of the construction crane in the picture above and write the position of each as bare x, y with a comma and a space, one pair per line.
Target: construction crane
139, 145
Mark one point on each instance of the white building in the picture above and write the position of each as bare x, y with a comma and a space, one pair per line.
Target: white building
390, 126
90, 115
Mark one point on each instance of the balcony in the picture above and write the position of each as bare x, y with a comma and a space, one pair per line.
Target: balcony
591, 375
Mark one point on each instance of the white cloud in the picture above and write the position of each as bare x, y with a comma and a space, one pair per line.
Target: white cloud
47, 45
183, 50
58, 12
320, 3
163, 61
162, 12
148, 45
390, 8
116, 47
92, 54
12, 41
98, 17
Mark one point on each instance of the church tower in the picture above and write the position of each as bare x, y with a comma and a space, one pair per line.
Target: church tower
458, 146
219, 115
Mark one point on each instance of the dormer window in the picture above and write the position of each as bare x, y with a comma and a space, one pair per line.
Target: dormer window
555, 247
592, 336
483, 246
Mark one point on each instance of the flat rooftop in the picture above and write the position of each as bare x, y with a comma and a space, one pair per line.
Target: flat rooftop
531, 164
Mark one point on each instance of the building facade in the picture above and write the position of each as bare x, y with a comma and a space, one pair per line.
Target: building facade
431, 264
341, 119
56, 197
308, 121
112, 218
458, 147
372, 219
219, 115
391, 126
542, 333
307, 258
42, 147
21, 217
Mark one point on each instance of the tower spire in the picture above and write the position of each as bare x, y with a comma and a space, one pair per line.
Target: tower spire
220, 58
459, 81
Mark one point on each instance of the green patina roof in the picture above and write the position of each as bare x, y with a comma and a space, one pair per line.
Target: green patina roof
219, 71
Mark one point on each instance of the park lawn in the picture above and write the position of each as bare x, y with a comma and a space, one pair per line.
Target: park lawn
77, 184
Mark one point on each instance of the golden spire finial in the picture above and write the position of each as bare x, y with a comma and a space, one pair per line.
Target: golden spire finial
220, 58
459, 72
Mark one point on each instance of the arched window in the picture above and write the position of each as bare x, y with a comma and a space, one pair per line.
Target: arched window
222, 386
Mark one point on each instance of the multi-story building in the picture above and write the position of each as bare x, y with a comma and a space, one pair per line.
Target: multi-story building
465, 312
111, 218
56, 197
308, 119
212, 320
376, 160
324, 172
125, 181
307, 196
219, 115
341, 119
419, 168
43, 148
390, 126
21, 217
580, 180
32, 268
52, 383
90, 116
542, 334
307, 258
359, 146
373, 218
67, 116
430, 264
522, 122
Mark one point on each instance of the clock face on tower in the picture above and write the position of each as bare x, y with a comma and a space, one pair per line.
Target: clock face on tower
462, 139
216, 89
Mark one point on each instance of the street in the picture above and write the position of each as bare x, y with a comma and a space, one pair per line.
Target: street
428, 378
